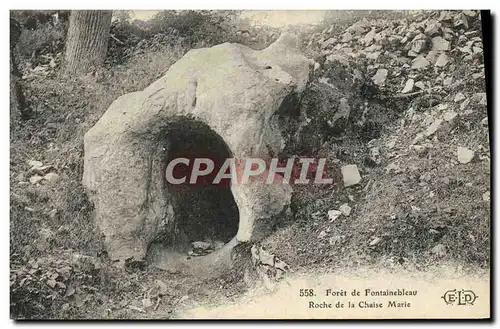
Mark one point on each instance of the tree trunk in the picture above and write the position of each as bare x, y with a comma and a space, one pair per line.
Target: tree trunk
87, 40
18, 104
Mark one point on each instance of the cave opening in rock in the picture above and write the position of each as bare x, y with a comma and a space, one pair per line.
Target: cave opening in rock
204, 211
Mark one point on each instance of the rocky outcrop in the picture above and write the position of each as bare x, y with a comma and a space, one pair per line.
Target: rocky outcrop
235, 92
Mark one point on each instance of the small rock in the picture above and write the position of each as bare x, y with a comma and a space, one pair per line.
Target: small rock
449, 115
420, 149
201, 245
419, 62
486, 196
447, 81
52, 214
459, 97
484, 122
375, 241
350, 175
439, 250
333, 214
442, 60
322, 234
328, 42
411, 53
334, 240
420, 85
147, 303
375, 154
35, 164
368, 39
35, 179
433, 127
345, 209
461, 19
418, 46
464, 154
470, 13
393, 167
218, 245
380, 76
408, 86
445, 16
480, 98
433, 28
464, 104
51, 177
440, 44
347, 37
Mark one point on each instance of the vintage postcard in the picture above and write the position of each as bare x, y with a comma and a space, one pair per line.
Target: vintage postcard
239, 164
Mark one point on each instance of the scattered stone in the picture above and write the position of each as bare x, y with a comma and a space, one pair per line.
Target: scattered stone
464, 104
368, 39
461, 19
218, 245
420, 85
419, 62
411, 53
420, 149
433, 127
334, 214
442, 60
393, 167
470, 13
375, 241
445, 16
440, 44
486, 196
433, 56
51, 177
334, 240
35, 164
439, 250
480, 98
350, 175
347, 37
380, 76
464, 155
35, 179
328, 42
201, 245
408, 86
390, 144
345, 209
41, 170
449, 115
418, 46
322, 234
433, 28
447, 81
375, 154
484, 122
52, 214
459, 97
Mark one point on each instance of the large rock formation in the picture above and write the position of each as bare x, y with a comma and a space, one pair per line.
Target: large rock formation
237, 93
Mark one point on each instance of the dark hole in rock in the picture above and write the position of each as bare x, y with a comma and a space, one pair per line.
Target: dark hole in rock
204, 212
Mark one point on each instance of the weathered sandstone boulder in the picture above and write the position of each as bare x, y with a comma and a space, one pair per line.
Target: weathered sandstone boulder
234, 91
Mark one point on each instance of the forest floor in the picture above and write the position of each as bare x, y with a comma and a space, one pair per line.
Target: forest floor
422, 148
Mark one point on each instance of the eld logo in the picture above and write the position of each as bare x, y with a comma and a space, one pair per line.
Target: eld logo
460, 297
